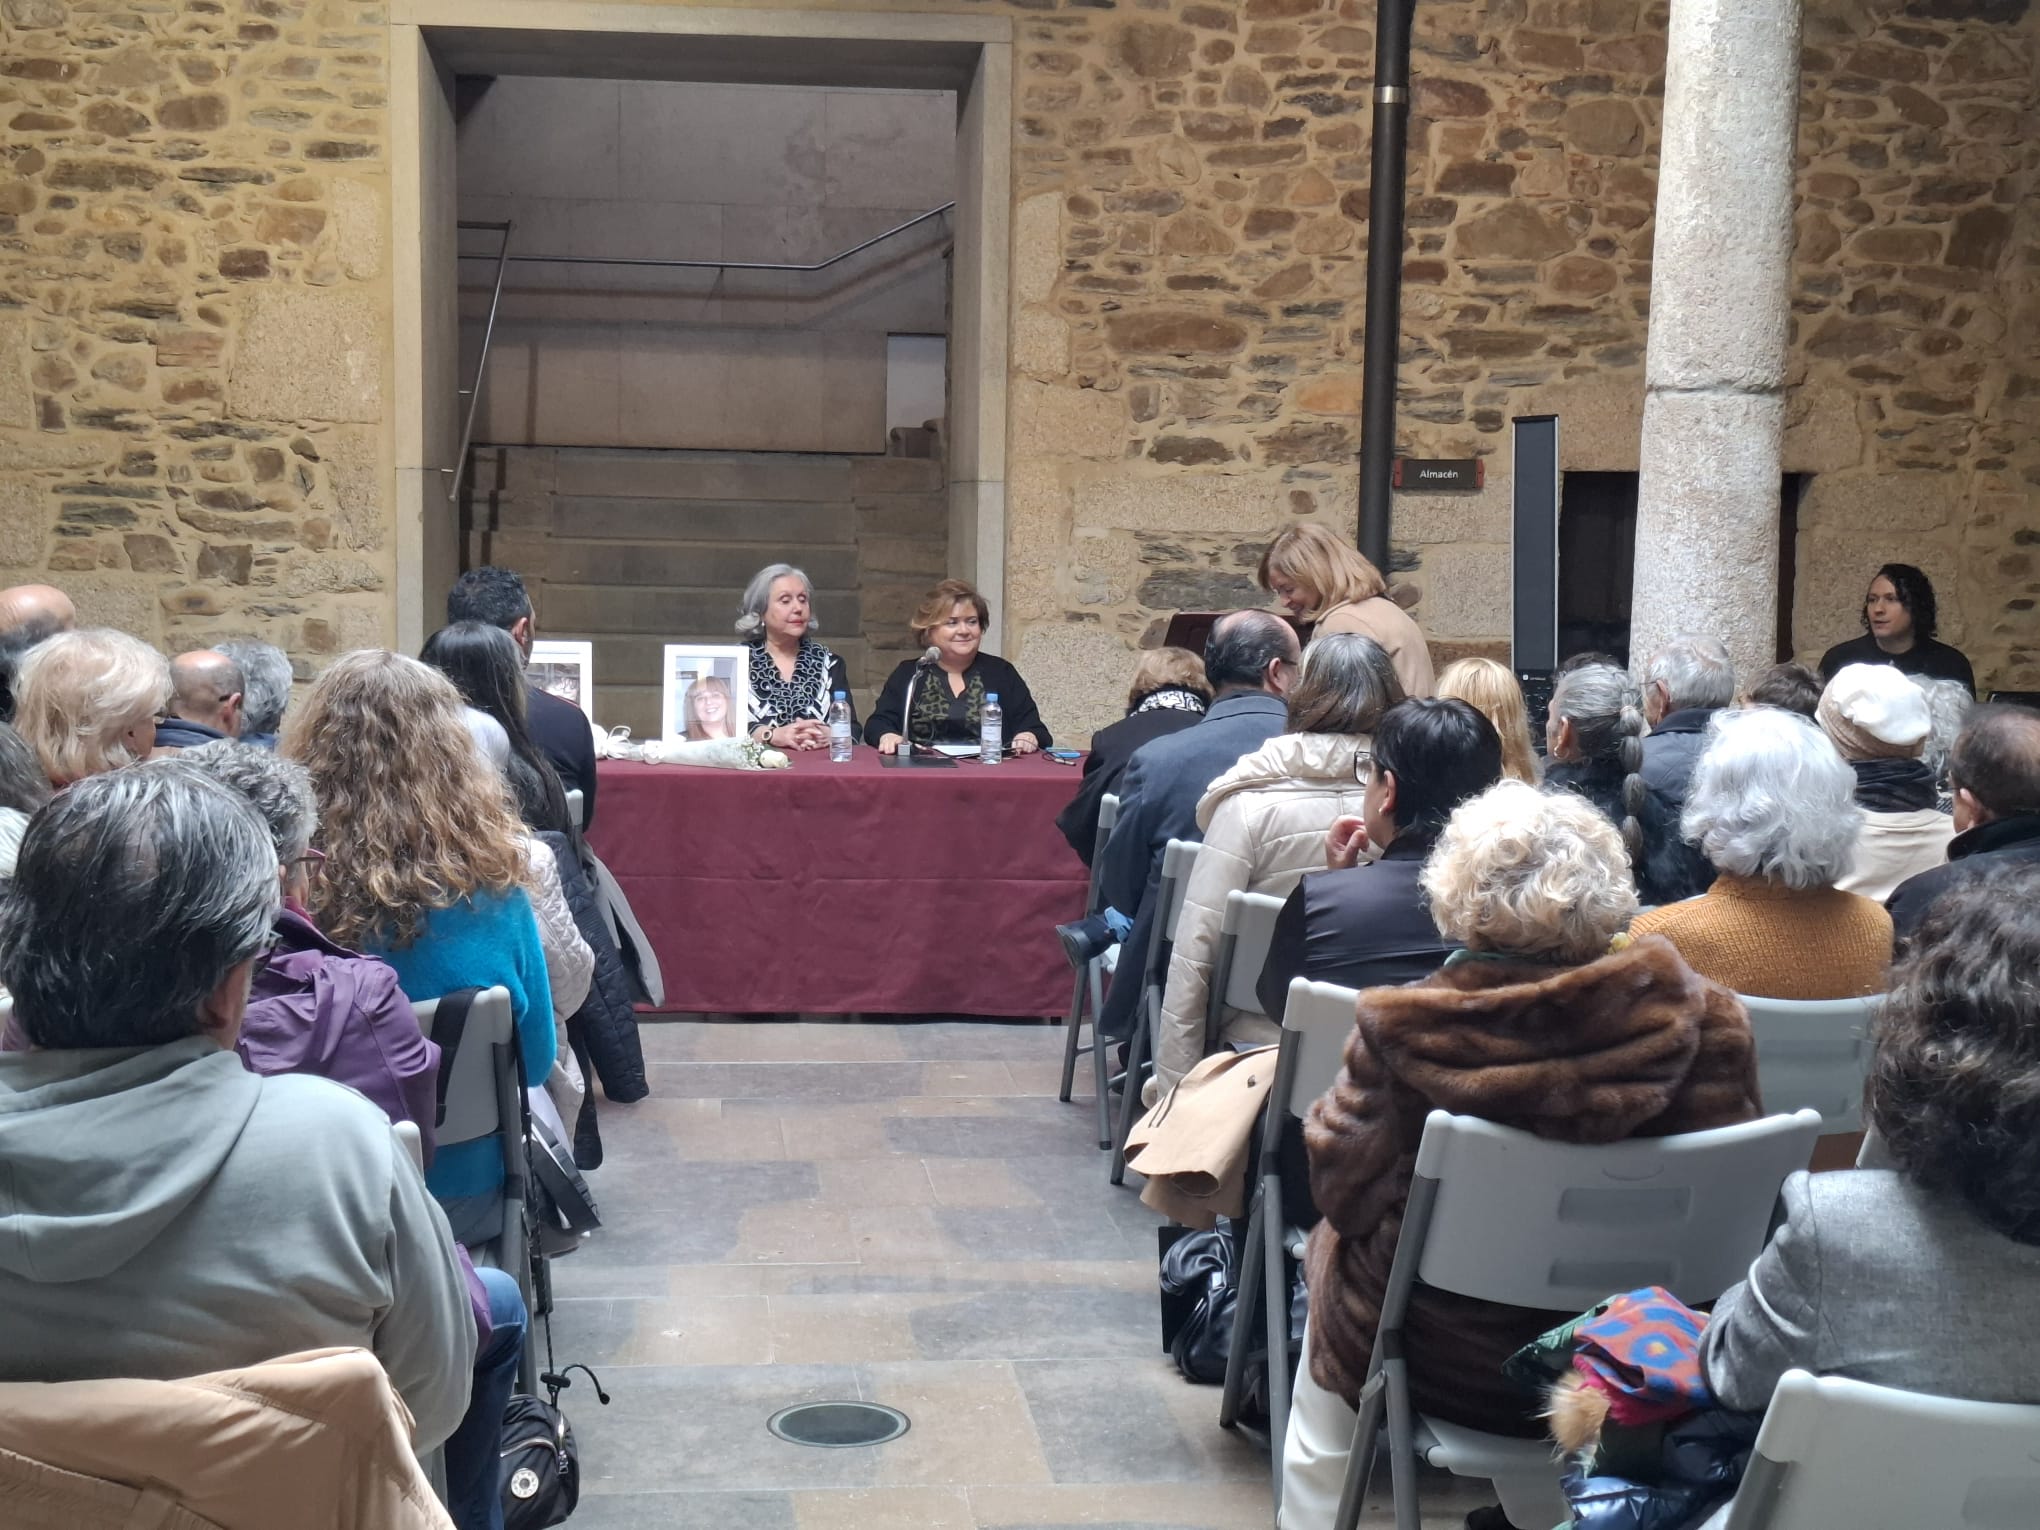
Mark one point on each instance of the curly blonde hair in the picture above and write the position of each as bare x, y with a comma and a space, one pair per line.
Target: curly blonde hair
1492, 690
80, 693
1530, 873
411, 817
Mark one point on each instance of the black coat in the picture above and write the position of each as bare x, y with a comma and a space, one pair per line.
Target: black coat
960, 726
1112, 750
1365, 927
1973, 852
605, 1021
1670, 870
1927, 658
561, 731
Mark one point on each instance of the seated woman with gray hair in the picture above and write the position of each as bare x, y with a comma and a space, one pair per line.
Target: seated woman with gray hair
1549, 1022
1771, 807
265, 688
793, 678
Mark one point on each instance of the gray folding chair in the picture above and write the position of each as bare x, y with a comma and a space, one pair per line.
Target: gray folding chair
1091, 985
1502, 1216
1245, 934
577, 808
1317, 1019
485, 1098
1178, 856
1834, 1452
1814, 1054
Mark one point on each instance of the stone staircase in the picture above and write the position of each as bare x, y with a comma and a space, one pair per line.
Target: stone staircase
636, 549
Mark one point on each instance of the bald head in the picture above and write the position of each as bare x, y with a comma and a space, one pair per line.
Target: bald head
1251, 651
1994, 767
41, 605
206, 687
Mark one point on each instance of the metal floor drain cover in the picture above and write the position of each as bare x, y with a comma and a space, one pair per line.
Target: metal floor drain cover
838, 1425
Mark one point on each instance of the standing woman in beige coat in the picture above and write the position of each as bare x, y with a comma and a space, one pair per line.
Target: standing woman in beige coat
1321, 580
1264, 824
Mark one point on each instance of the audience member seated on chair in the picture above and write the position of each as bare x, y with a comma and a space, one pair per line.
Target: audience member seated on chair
794, 679
1169, 693
88, 701
170, 1212
1323, 580
29, 614
425, 868
1594, 736
1771, 808
314, 1006
949, 702
1492, 690
1879, 721
1949, 703
559, 728
1994, 776
485, 667
205, 701
1685, 684
1919, 1273
1788, 687
265, 689
23, 791
1264, 824
1548, 1022
1367, 924
1250, 660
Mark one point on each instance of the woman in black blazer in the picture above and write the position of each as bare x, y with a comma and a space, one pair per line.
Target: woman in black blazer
1169, 693
949, 701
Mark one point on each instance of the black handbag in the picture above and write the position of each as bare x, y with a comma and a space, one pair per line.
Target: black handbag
1200, 1288
563, 1209
540, 1476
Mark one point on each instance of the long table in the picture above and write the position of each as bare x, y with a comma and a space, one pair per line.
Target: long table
848, 889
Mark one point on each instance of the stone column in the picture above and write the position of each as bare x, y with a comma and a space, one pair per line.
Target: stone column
1714, 405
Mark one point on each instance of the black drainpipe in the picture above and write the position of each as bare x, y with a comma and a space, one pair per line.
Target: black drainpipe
1383, 336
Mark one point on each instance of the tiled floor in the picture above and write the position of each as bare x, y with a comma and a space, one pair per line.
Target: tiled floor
903, 1213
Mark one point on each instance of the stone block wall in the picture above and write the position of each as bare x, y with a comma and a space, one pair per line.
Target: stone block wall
194, 317
194, 298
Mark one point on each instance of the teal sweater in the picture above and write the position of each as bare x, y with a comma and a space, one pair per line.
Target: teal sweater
479, 943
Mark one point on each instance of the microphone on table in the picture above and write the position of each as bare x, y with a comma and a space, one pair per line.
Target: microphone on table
928, 660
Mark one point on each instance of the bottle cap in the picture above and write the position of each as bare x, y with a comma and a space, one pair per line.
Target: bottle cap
991, 695
842, 695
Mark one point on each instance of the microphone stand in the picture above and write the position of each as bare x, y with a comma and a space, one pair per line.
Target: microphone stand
905, 756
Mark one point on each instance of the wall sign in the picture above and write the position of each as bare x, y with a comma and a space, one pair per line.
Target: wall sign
1416, 474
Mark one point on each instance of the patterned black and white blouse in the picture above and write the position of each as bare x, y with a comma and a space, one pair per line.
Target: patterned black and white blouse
777, 701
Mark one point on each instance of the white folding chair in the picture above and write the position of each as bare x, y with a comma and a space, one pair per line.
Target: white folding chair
577, 808
1317, 1019
485, 1099
1091, 984
1244, 935
1814, 1054
1178, 856
1838, 1453
1502, 1216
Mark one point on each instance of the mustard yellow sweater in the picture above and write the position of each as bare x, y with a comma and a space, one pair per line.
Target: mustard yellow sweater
1760, 937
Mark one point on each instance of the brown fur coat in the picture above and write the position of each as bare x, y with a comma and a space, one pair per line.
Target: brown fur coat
1632, 1045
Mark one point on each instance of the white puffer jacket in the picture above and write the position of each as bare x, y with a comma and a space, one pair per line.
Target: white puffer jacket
1264, 825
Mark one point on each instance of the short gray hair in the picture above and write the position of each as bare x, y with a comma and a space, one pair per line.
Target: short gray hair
1949, 703
1695, 672
135, 893
266, 676
1772, 797
751, 618
279, 790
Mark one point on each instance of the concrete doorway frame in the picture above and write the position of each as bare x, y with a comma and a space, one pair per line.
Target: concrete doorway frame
424, 367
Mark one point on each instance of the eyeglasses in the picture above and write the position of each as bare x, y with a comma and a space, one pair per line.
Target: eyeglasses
1363, 763
314, 862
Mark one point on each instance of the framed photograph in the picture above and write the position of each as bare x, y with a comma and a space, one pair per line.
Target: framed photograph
706, 689
563, 669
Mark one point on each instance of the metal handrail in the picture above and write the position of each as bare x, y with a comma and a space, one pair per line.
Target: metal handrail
715, 265
474, 395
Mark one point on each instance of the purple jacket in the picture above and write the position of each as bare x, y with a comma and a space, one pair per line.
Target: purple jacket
316, 1007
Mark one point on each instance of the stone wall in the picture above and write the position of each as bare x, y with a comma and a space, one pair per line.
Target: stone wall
194, 317
193, 414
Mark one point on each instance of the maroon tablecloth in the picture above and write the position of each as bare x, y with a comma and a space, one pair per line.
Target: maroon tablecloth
847, 889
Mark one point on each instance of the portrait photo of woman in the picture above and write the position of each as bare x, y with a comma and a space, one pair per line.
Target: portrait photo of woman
708, 709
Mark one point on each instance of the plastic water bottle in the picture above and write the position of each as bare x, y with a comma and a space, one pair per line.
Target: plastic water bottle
992, 731
839, 729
